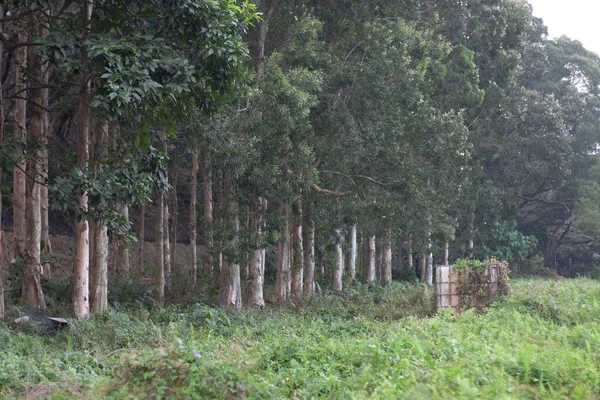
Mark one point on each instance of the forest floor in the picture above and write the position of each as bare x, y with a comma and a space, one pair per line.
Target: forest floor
542, 341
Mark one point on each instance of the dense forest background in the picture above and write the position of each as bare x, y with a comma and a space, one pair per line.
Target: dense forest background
290, 144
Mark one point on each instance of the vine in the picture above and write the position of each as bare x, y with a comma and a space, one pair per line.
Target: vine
476, 285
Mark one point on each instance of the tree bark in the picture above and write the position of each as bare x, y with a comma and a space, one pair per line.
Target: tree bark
309, 251
446, 253
430, 268
409, 260
471, 242
141, 238
100, 261
353, 253
423, 266
167, 244
122, 248
255, 280
230, 295
371, 266
207, 228
19, 179
81, 270
194, 218
160, 247
99, 290
175, 213
297, 250
44, 200
282, 275
386, 262
338, 272
31, 290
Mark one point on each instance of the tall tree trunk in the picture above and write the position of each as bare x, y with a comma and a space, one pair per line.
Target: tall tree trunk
309, 250
141, 239
423, 266
430, 268
20, 117
409, 261
379, 246
353, 253
175, 213
399, 255
446, 253
297, 250
194, 218
123, 248
386, 262
230, 295
81, 269
167, 245
99, 287
160, 249
44, 200
471, 242
31, 289
99, 265
207, 228
338, 272
371, 266
45, 206
255, 280
282, 275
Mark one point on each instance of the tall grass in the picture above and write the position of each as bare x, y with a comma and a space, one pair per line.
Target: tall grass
541, 342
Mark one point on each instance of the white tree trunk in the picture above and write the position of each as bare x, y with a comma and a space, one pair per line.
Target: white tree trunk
297, 250
81, 270
255, 280
430, 268
338, 272
99, 290
309, 253
371, 266
167, 244
282, 275
353, 253
446, 253
386, 262
409, 260
230, 291
31, 289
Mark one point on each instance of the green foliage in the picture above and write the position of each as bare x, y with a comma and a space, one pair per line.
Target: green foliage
462, 264
541, 341
509, 243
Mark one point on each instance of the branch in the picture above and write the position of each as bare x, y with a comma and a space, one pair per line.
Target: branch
547, 202
368, 178
328, 192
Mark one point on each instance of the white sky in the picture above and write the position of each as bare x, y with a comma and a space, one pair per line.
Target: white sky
577, 19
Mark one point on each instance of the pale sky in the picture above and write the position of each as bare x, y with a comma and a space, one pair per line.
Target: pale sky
577, 19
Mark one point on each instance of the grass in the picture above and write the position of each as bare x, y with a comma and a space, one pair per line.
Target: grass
543, 341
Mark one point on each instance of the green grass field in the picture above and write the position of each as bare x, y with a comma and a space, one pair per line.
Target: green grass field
543, 341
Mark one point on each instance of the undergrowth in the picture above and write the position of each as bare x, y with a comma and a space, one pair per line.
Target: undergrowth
542, 341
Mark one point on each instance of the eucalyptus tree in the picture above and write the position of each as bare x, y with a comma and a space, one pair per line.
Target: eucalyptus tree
147, 60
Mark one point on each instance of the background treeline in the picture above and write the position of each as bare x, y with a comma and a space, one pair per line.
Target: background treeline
301, 143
